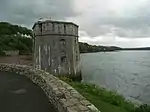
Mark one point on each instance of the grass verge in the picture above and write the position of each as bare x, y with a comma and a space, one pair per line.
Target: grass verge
104, 100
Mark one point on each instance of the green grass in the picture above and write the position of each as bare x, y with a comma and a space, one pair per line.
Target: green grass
104, 100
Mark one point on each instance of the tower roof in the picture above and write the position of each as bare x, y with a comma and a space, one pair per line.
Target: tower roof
41, 21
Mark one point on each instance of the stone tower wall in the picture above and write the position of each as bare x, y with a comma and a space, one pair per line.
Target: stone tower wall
56, 48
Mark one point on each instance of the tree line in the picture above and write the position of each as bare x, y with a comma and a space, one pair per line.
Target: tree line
86, 48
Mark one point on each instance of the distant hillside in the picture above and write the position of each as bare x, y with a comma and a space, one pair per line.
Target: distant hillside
14, 37
142, 48
86, 48
10, 29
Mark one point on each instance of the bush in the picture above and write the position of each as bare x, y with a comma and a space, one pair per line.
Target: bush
143, 108
66, 79
2, 53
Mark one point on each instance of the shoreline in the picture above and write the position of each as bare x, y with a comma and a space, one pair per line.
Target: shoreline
114, 51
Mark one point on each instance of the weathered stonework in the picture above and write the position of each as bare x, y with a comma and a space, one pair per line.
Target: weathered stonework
56, 48
60, 94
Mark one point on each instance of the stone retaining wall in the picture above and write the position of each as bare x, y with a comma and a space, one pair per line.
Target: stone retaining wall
60, 94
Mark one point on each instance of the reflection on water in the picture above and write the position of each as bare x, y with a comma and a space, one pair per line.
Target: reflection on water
127, 72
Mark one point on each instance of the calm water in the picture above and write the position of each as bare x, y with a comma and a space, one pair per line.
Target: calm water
127, 72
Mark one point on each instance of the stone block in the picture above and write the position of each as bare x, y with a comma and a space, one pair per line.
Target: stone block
85, 102
73, 109
82, 107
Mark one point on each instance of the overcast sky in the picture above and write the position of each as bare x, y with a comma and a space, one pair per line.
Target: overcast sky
124, 23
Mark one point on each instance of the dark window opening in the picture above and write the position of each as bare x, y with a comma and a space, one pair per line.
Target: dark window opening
65, 29
75, 41
63, 59
53, 27
76, 58
63, 41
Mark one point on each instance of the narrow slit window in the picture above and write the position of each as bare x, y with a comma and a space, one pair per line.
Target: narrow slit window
63, 41
65, 29
63, 59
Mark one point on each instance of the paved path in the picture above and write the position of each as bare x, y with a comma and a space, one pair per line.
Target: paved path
19, 94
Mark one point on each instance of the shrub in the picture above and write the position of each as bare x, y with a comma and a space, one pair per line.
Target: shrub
143, 108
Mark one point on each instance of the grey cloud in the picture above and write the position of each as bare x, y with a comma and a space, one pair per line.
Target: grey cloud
125, 27
26, 12
133, 24
100, 22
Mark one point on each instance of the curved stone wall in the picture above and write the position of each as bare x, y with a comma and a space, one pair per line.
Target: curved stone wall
60, 94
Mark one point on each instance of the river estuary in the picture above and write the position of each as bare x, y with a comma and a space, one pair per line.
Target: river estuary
127, 72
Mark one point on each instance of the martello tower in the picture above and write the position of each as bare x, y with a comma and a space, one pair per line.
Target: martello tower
56, 48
